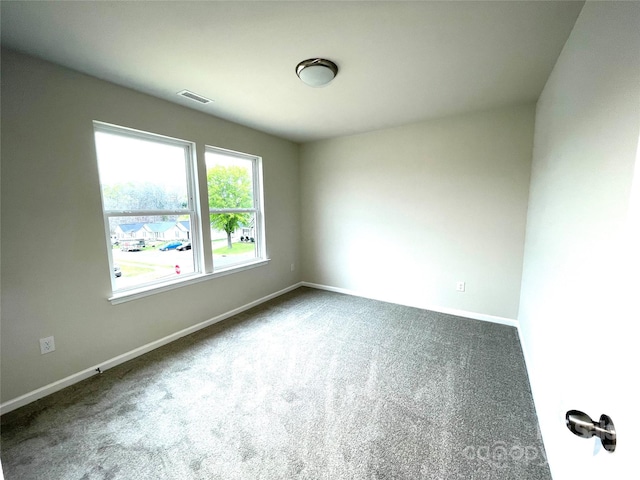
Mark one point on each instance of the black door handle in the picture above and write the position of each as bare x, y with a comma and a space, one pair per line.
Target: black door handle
581, 425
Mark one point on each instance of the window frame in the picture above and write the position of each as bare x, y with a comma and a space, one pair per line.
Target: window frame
258, 201
198, 204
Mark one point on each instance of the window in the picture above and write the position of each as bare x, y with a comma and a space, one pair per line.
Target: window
233, 206
155, 230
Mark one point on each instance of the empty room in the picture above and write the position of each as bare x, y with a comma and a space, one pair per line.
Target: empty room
319, 240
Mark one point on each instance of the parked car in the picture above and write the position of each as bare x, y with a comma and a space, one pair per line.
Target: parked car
170, 246
116, 271
133, 246
184, 246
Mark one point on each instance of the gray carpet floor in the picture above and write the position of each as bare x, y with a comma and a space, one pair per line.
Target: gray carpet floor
310, 385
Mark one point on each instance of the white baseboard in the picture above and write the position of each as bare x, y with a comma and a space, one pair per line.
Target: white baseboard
459, 313
77, 377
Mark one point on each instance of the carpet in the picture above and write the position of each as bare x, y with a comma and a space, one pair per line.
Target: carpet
310, 385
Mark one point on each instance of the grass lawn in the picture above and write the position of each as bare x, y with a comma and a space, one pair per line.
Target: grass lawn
238, 248
131, 269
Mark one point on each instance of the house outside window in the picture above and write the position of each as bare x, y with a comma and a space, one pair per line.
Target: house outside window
164, 233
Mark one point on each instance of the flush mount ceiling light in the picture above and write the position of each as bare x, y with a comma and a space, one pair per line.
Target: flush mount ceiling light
317, 72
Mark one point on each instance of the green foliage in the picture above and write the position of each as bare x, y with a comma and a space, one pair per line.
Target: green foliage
141, 196
229, 187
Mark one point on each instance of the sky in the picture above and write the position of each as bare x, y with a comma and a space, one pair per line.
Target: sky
123, 159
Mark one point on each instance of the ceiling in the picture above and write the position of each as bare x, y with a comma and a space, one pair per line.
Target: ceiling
400, 62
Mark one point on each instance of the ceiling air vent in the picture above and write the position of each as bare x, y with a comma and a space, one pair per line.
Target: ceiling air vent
194, 96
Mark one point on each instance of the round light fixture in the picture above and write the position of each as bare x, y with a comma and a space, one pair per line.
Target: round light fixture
317, 72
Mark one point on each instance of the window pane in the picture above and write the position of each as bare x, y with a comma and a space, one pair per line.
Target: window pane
150, 249
233, 238
229, 181
139, 174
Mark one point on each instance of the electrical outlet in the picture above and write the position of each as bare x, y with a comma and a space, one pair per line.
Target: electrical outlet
460, 286
293, 267
47, 345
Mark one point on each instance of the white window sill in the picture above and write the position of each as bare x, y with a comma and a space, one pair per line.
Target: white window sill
133, 294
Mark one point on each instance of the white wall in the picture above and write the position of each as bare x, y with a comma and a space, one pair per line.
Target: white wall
577, 309
402, 214
58, 284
